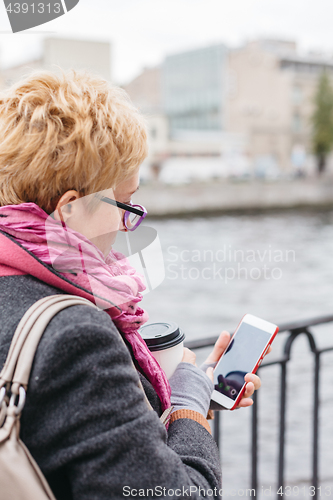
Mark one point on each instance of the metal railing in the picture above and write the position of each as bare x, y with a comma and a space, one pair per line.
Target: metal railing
294, 329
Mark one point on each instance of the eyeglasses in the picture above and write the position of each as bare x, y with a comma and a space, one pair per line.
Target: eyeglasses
133, 216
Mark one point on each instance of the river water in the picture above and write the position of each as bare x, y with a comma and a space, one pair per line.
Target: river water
277, 266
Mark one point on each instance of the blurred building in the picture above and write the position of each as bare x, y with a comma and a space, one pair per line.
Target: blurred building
251, 106
184, 101
193, 89
146, 90
66, 54
270, 100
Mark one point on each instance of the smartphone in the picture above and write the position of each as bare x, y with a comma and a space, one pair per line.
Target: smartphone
243, 355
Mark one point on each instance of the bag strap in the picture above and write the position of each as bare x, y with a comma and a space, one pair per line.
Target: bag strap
17, 368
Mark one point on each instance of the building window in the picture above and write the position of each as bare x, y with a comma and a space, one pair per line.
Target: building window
297, 95
297, 123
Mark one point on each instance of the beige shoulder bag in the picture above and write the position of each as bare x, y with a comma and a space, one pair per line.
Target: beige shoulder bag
20, 476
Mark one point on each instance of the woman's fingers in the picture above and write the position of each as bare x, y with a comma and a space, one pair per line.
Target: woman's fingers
251, 377
189, 356
219, 347
246, 398
245, 403
253, 383
210, 373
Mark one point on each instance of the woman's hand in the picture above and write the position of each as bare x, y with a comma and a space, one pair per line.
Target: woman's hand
253, 382
189, 356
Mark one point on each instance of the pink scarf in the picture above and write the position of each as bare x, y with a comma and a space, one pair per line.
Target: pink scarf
82, 263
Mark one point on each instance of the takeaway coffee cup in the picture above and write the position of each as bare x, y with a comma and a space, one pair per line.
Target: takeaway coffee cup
165, 341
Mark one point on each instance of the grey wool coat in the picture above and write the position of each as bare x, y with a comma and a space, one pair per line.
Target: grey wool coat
86, 422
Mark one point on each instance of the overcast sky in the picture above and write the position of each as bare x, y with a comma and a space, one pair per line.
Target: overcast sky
142, 32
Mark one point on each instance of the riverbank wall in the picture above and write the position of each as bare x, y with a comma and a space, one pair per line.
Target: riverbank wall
228, 196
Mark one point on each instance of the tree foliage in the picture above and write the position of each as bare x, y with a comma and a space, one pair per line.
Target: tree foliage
322, 121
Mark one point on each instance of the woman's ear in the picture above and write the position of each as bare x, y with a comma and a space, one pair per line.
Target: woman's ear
64, 207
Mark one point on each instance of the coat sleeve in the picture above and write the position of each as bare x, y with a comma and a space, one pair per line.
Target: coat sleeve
88, 426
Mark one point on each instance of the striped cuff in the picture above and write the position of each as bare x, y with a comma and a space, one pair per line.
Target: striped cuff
192, 415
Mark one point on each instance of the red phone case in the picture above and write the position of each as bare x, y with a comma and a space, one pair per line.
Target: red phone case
239, 397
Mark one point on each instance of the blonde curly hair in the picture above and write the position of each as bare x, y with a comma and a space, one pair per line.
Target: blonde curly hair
57, 133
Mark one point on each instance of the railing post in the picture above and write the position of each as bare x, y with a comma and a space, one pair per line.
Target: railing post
282, 424
217, 429
315, 424
254, 463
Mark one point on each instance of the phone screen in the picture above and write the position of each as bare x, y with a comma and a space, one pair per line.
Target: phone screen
239, 359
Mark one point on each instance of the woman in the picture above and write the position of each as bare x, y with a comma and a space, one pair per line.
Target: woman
70, 153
